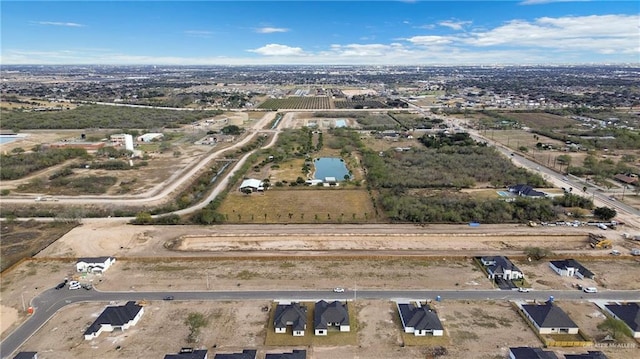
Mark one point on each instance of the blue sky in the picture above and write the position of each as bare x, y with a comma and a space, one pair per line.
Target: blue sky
320, 32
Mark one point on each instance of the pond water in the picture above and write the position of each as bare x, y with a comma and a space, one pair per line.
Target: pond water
7, 139
330, 167
341, 123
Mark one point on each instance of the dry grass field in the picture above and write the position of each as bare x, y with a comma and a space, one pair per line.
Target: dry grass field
300, 205
542, 120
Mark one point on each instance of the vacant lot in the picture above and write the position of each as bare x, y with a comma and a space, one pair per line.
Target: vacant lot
542, 120
26, 238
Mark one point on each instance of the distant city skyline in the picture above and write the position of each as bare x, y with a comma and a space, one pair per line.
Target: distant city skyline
320, 32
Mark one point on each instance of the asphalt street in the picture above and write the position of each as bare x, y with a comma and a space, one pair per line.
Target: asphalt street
51, 301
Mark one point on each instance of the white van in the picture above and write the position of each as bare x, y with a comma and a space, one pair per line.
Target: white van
590, 290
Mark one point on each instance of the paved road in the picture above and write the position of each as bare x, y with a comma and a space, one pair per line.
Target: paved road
51, 301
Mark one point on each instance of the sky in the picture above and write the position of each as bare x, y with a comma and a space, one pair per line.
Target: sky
409, 32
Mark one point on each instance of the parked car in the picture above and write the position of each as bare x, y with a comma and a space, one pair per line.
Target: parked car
524, 290
338, 290
60, 285
74, 286
590, 290
615, 252
635, 252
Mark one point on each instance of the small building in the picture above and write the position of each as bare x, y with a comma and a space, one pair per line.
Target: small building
629, 313
591, 354
26, 355
524, 190
149, 137
94, 264
326, 315
330, 181
246, 354
296, 354
294, 315
549, 318
631, 178
188, 353
570, 268
251, 184
115, 317
420, 320
530, 353
501, 267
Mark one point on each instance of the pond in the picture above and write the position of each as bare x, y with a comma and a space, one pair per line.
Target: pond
330, 167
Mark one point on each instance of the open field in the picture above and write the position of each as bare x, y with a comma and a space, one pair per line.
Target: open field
299, 205
542, 120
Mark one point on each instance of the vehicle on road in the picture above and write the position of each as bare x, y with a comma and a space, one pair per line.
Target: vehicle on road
590, 290
635, 252
169, 297
61, 285
338, 290
615, 252
524, 290
73, 285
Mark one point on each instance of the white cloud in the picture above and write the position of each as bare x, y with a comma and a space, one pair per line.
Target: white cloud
58, 23
430, 40
278, 50
271, 30
455, 25
595, 33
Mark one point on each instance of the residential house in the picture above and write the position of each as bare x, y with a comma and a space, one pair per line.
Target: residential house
296, 354
115, 317
26, 355
524, 190
629, 313
570, 268
294, 315
501, 267
591, 354
420, 320
549, 318
149, 137
328, 315
94, 264
188, 353
631, 178
246, 354
530, 353
251, 184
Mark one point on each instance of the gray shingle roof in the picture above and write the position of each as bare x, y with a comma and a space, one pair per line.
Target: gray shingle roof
531, 353
628, 313
589, 355
501, 264
115, 315
572, 263
292, 314
334, 312
246, 354
548, 315
419, 318
188, 354
297, 354
25, 355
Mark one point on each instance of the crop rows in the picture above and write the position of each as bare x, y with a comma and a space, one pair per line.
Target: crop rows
359, 104
297, 103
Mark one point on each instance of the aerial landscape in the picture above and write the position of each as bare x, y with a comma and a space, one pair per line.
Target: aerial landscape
320, 179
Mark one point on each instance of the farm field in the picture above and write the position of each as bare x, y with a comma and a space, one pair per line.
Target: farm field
542, 120
297, 103
300, 205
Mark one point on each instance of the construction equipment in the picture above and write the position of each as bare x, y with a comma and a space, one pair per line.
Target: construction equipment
598, 241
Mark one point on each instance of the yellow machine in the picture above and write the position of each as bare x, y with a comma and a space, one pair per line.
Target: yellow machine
598, 241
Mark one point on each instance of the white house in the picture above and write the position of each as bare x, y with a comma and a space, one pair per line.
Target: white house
570, 268
294, 315
252, 184
94, 264
148, 137
549, 318
327, 315
420, 320
115, 317
501, 267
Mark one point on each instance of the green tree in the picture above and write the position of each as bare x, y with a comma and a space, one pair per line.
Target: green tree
195, 321
615, 327
604, 213
143, 218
